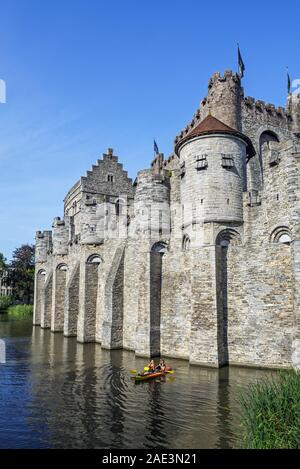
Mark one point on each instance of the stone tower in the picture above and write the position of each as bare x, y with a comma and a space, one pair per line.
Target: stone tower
293, 108
43, 245
60, 235
224, 98
151, 203
213, 174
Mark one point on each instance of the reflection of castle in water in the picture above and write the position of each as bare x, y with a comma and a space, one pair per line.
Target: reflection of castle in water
88, 399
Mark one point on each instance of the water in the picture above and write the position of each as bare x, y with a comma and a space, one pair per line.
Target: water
57, 393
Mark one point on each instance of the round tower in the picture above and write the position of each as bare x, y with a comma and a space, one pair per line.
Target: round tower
152, 202
60, 236
293, 108
213, 173
43, 245
224, 98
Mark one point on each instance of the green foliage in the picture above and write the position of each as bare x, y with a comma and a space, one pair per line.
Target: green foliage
20, 310
271, 412
2, 263
21, 274
5, 302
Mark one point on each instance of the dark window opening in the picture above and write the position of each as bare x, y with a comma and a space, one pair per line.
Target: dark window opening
201, 162
182, 169
227, 161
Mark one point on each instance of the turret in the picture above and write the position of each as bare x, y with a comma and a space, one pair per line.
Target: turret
152, 202
60, 235
213, 173
43, 245
224, 98
293, 109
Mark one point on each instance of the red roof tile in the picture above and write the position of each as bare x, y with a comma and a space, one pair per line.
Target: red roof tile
211, 125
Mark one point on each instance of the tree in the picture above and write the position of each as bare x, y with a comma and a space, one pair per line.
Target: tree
21, 274
2, 263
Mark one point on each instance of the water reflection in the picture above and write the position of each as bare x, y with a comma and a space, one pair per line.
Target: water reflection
58, 393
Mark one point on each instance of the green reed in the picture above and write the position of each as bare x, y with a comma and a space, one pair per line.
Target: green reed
271, 412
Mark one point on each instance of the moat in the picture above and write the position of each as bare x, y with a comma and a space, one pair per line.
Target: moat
57, 393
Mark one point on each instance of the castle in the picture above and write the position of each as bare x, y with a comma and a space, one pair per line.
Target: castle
199, 258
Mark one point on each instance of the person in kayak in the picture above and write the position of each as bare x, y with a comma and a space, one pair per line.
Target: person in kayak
151, 366
161, 366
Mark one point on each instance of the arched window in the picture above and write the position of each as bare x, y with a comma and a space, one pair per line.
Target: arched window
160, 247
281, 234
119, 207
62, 267
228, 236
186, 242
42, 272
94, 259
265, 138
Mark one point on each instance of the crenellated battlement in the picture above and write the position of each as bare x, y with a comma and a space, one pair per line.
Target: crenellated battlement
227, 76
43, 234
43, 245
262, 106
58, 222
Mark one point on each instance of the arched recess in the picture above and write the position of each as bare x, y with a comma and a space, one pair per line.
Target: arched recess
91, 296
39, 289
120, 207
186, 242
94, 259
281, 234
266, 137
224, 240
156, 260
72, 302
47, 302
57, 317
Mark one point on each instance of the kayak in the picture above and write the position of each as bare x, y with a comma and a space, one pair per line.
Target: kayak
150, 375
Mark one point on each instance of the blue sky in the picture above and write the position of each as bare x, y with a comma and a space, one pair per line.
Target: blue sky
83, 76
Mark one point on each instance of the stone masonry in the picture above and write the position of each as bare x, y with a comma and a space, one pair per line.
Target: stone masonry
199, 257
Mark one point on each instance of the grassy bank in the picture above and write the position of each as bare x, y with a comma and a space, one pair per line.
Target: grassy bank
271, 412
5, 302
20, 310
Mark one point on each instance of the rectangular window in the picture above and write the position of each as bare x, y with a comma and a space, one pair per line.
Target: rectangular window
110, 178
201, 162
227, 161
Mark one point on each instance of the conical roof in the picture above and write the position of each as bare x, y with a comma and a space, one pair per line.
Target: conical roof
211, 126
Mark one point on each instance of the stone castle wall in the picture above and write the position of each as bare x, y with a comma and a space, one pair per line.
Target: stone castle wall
200, 257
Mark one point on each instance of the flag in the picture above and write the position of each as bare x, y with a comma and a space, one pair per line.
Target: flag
289, 83
241, 63
156, 150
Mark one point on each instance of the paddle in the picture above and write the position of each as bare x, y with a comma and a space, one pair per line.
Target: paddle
146, 368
